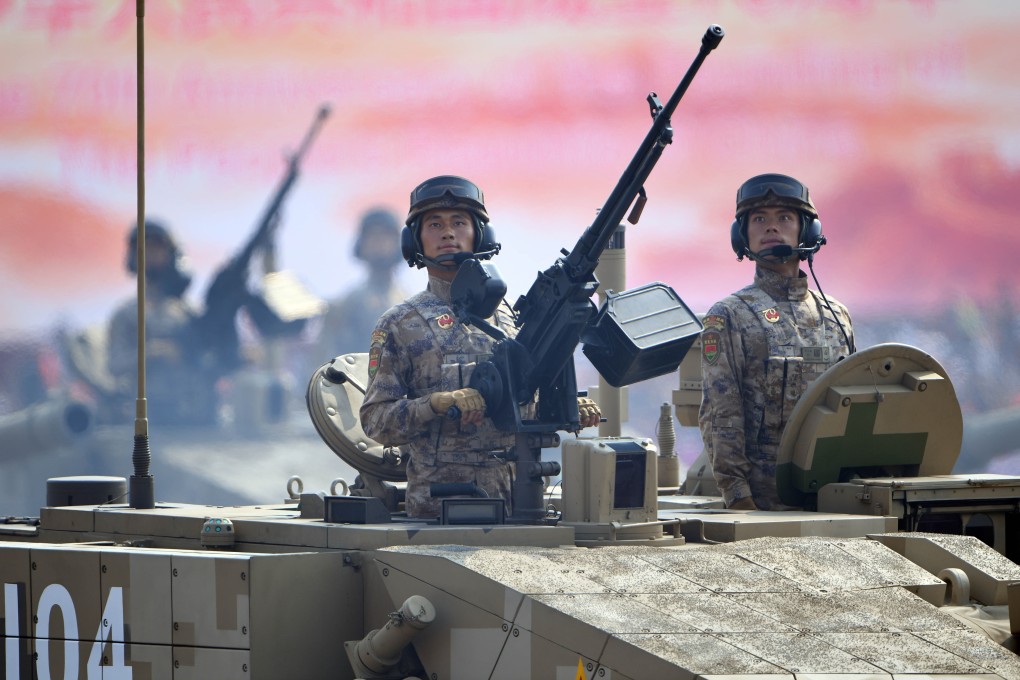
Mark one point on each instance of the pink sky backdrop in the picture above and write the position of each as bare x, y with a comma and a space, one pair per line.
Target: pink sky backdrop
902, 117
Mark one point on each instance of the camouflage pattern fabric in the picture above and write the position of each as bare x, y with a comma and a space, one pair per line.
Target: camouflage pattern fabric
417, 348
348, 323
761, 347
179, 387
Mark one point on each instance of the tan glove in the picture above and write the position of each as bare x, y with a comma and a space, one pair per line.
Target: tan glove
588, 412
468, 400
743, 504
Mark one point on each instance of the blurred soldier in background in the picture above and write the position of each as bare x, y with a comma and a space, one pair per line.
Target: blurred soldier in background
351, 317
764, 344
187, 350
177, 390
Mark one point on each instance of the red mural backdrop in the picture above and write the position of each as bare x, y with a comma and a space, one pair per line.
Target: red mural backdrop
903, 118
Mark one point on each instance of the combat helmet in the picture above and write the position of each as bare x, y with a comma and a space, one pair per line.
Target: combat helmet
771, 190
176, 278
447, 192
377, 221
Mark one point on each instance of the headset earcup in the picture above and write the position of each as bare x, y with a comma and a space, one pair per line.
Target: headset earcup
811, 236
408, 246
812, 233
487, 240
737, 241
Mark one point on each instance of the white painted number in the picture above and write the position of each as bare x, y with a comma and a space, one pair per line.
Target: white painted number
11, 632
111, 630
56, 595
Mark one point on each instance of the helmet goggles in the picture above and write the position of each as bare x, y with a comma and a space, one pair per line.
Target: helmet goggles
774, 190
447, 192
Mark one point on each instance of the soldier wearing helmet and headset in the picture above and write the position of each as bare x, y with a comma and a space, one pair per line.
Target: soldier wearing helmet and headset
763, 345
421, 356
188, 350
177, 393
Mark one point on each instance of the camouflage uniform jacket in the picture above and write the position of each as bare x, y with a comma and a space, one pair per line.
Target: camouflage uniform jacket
347, 325
418, 347
761, 347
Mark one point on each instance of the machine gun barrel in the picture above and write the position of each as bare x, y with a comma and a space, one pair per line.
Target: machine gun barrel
555, 312
267, 223
585, 255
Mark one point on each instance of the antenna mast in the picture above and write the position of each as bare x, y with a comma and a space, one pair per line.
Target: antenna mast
141, 486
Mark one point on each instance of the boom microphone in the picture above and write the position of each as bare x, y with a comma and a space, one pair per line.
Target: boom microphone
784, 252
455, 260
781, 253
446, 260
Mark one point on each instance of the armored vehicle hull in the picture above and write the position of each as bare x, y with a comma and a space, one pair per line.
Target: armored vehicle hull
624, 580
152, 594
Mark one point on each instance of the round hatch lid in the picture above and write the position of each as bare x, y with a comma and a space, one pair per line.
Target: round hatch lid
889, 410
335, 394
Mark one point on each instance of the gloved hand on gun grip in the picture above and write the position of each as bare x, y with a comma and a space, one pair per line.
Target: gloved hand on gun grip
588, 412
468, 401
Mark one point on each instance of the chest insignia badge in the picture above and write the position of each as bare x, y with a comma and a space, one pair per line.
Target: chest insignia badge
445, 321
771, 315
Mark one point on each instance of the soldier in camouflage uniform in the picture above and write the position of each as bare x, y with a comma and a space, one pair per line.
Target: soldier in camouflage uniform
421, 357
188, 350
179, 392
764, 344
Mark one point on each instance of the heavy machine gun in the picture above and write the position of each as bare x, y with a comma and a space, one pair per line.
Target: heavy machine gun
228, 291
557, 313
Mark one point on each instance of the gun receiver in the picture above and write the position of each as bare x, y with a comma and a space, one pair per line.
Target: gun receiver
557, 310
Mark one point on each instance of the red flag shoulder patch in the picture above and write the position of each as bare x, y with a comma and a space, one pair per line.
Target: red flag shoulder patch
375, 351
710, 346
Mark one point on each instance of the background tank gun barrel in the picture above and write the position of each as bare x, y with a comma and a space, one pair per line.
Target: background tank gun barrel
43, 428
